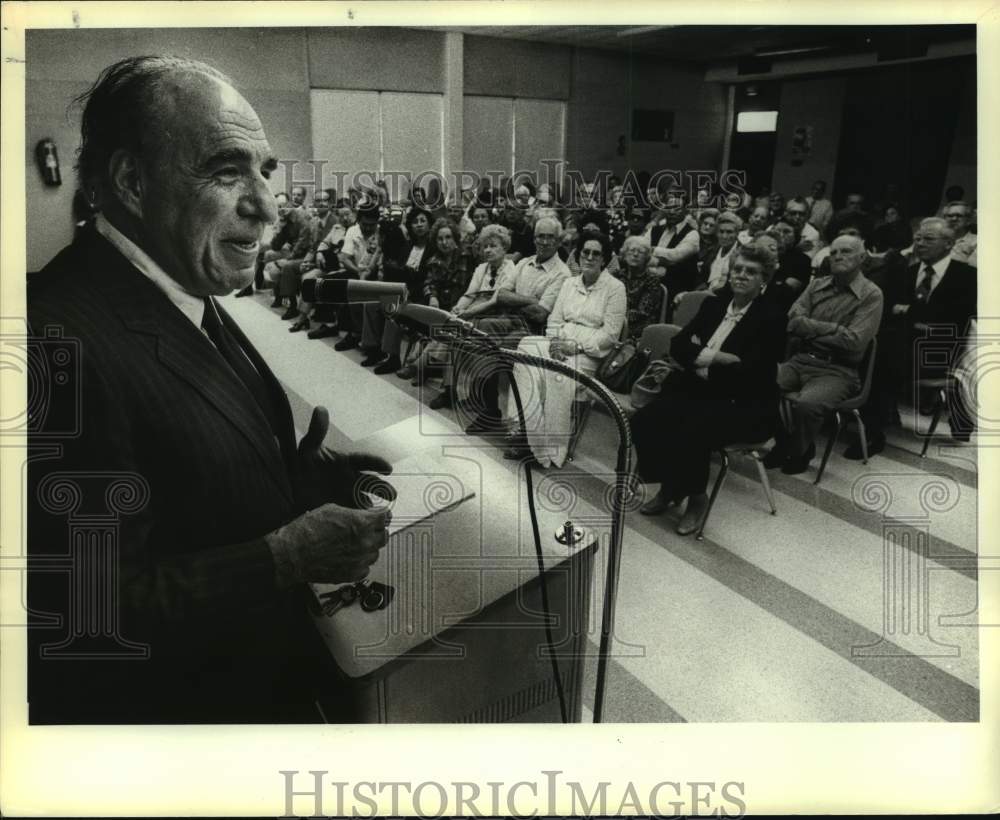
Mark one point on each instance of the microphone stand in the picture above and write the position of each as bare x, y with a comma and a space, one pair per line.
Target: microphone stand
451, 330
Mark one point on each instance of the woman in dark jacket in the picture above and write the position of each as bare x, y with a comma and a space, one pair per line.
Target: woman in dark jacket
723, 390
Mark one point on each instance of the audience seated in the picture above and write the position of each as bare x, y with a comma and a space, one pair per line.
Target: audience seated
708, 236
675, 243
830, 326
958, 215
524, 302
291, 270
756, 225
327, 264
794, 268
722, 390
796, 214
932, 302
585, 323
361, 258
643, 291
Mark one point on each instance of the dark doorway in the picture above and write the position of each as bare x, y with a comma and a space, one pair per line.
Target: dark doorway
753, 153
897, 129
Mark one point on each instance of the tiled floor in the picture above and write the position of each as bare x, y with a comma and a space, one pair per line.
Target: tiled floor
792, 617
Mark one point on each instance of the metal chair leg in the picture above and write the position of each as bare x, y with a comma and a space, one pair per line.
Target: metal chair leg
935, 419
765, 482
829, 447
863, 432
715, 492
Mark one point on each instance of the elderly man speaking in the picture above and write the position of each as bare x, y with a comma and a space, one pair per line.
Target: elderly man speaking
183, 438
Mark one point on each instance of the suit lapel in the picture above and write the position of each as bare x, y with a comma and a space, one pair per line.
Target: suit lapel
187, 353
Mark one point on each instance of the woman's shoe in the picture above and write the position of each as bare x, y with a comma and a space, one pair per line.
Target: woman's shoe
301, 324
693, 515
407, 371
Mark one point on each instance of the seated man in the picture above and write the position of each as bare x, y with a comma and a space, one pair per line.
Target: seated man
796, 214
326, 263
292, 269
360, 257
830, 326
958, 215
291, 254
675, 244
936, 296
526, 300
794, 268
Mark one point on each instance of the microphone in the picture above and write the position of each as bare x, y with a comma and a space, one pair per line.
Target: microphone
347, 291
427, 320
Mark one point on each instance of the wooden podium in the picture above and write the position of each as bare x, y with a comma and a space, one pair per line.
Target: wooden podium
464, 638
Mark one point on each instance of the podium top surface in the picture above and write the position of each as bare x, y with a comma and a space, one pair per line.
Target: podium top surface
460, 539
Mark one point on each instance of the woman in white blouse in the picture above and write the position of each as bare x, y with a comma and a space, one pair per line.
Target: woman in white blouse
584, 325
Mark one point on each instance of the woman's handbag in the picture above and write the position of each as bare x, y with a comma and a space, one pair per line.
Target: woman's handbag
622, 366
647, 386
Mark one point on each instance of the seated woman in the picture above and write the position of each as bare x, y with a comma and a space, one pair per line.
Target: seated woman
582, 329
479, 299
723, 391
404, 259
644, 294
708, 234
448, 273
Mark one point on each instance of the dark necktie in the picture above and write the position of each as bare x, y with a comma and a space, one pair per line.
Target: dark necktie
237, 360
924, 286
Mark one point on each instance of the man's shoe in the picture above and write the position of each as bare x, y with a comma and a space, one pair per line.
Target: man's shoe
656, 505
693, 515
247, 291
349, 342
323, 331
776, 457
799, 464
407, 372
388, 364
291, 313
278, 302
483, 425
372, 358
301, 324
442, 400
875, 446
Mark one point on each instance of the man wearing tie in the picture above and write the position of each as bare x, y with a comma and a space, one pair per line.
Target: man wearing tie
932, 304
228, 516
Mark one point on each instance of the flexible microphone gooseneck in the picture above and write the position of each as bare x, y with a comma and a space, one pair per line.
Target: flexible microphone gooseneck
463, 335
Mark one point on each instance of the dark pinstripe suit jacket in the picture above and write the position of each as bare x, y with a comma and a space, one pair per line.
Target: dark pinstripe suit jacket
191, 576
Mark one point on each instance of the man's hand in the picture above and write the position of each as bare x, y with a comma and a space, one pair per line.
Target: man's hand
535, 314
342, 478
900, 310
797, 326
330, 544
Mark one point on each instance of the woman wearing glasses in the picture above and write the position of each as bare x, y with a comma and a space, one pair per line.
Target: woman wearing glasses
584, 325
723, 390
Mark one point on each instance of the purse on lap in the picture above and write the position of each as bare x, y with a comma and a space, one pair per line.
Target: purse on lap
620, 369
647, 387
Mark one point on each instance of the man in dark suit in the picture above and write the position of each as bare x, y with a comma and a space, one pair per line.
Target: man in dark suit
191, 516
932, 303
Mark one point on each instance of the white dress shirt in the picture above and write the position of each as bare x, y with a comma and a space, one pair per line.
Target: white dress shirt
190, 305
938, 267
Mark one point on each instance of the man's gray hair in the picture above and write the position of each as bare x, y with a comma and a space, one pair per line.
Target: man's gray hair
938, 222
119, 108
550, 221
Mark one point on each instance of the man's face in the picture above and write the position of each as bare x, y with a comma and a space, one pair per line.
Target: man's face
673, 211
204, 196
846, 256
727, 234
959, 219
796, 214
321, 204
855, 202
345, 216
514, 217
368, 223
283, 205
707, 226
930, 244
546, 241
298, 197
818, 190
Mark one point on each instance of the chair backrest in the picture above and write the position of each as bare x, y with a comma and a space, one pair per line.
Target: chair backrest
665, 304
865, 371
657, 338
689, 305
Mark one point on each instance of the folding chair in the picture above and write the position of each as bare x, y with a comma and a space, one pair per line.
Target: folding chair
752, 449
689, 305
